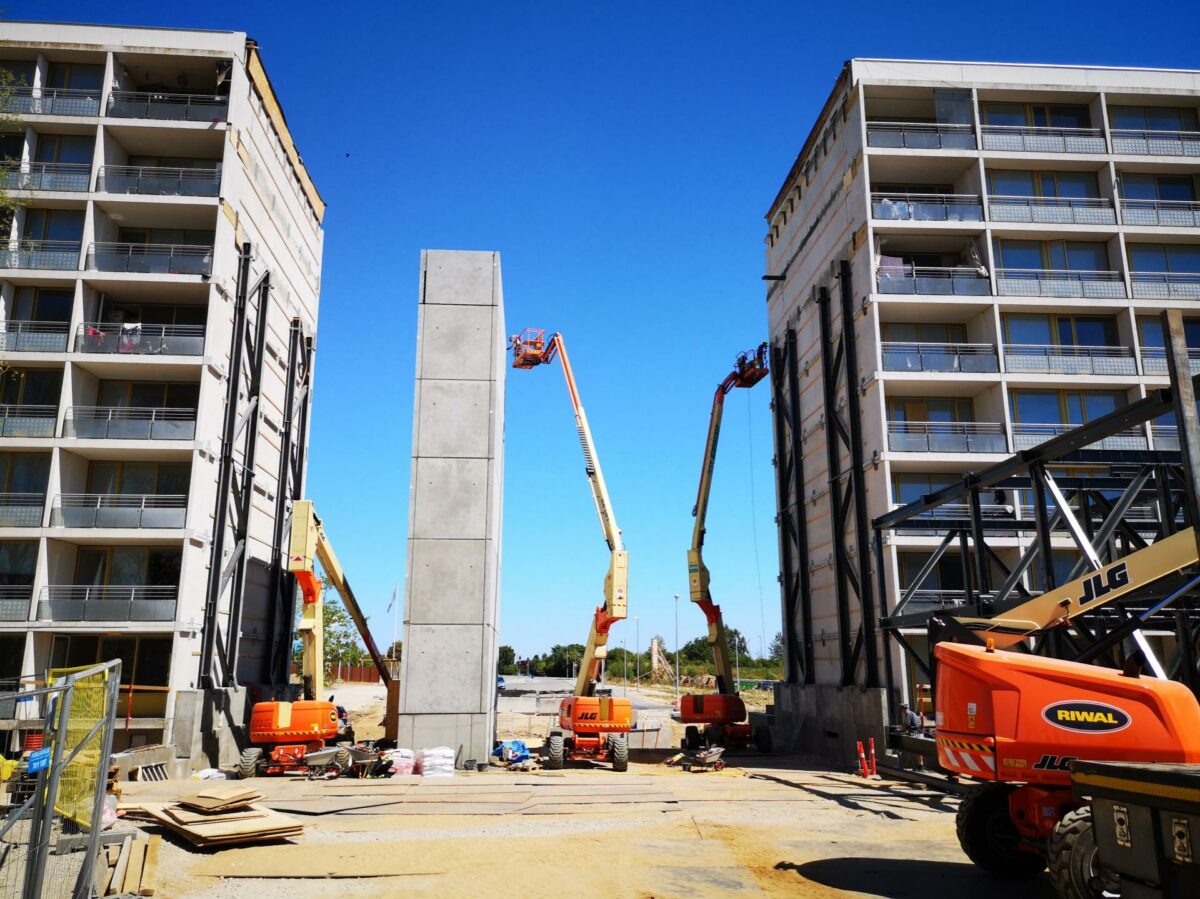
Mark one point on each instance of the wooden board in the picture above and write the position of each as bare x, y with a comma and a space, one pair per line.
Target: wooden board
187, 816
150, 869
133, 871
117, 883
269, 825
330, 806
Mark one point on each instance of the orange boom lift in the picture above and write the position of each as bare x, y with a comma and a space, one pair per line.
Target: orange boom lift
722, 715
589, 726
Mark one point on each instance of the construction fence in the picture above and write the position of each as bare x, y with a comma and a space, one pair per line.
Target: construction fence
55, 747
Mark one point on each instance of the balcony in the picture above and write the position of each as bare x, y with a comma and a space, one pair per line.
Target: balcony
118, 510
33, 337
926, 207
129, 423
946, 437
15, 600
953, 281
51, 101
139, 339
1154, 360
920, 136
1060, 359
156, 181
1165, 285
1027, 435
955, 512
171, 107
53, 255
1166, 437
113, 603
21, 510
1161, 213
154, 258
1052, 210
27, 421
1022, 139
972, 358
1155, 143
1029, 282
920, 600
64, 176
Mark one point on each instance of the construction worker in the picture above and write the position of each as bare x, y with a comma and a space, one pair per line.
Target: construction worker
910, 720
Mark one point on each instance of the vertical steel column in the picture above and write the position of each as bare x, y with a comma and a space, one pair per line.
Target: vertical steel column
982, 570
803, 581
889, 676
1185, 413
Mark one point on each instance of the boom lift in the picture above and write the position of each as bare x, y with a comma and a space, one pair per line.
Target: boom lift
722, 714
589, 726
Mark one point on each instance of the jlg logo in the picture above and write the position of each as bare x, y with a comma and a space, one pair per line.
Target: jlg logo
1103, 583
588, 716
1086, 717
1054, 762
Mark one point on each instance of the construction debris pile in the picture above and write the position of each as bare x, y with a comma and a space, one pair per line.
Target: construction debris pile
217, 816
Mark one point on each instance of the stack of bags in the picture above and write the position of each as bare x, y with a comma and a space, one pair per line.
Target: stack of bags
403, 760
437, 762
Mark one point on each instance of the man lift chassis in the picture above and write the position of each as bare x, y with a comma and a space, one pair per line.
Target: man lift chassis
589, 726
722, 714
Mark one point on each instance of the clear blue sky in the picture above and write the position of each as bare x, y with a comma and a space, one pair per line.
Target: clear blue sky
620, 156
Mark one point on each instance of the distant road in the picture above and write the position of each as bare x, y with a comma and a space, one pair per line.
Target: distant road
520, 683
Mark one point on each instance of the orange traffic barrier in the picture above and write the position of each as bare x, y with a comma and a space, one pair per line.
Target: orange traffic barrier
874, 770
863, 771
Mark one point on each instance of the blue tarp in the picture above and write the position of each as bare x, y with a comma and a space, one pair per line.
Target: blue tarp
512, 751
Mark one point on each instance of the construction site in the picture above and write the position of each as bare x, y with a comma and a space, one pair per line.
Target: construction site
978, 304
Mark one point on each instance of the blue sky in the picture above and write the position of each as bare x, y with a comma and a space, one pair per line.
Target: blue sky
620, 156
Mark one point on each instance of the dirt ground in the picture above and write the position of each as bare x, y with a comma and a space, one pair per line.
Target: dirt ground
776, 827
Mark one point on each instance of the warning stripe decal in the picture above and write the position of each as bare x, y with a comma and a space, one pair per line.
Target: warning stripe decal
960, 744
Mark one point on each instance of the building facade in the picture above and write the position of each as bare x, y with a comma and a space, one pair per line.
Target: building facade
965, 260
147, 162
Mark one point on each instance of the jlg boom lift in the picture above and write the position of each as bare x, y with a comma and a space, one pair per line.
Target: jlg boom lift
589, 726
722, 715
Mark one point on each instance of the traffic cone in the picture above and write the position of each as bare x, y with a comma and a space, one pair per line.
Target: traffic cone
862, 761
874, 770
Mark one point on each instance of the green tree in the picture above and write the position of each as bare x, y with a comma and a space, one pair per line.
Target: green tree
9, 124
737, 643
395, 651
508, 660
341, 641
775, 652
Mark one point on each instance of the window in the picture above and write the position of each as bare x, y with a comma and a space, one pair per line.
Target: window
127, 566
75, 75
12, 146
1073, 407
947, 575
1064, 563
1061, 330
157, 478
21, 71
151, 313
54, 224
923, 408
71, 148
924, 332
1136, 186
1150, 331
1075, 185
1037, 115
42, 304
1171, 258
178, 236
24, 472
18, 559
145, 660
173, 162
1057, 255
30, 387
1153, 118
910, 486
148, 395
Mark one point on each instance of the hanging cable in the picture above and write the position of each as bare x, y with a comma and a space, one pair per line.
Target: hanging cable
762, 615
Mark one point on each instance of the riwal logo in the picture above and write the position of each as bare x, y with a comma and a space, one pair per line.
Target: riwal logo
1083, 716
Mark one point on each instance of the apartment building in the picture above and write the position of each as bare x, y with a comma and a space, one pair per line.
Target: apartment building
995, 244
144, 161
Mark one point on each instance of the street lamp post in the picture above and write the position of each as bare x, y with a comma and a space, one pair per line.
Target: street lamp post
676, 650
737, 662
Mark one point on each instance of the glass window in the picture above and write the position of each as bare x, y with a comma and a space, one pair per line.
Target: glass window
1004, 114
24, 472
54, 224
82, 651
125, 649
1176, 187
1036, 406
127, 566
1183, 258
17, 561
1019, 254
1068, 116
153, 661
1129, 118
1011, 184
75, 75
1086, 257
1076, 184
162, 568
908, 487
1150, 331
71, 148
31, 387
91, 567
1138, 187
1090, 331
1027, 329
1147, 257
42, 304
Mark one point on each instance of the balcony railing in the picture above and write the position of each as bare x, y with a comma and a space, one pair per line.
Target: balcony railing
174, 107
129, 423
939, 599
27, 421
1154, 360
14, 603
118, 510
946, 437
1162, 213
156, 181
1069, 360
21, 510
57, 255
955, 281
991, 512
1022, 139
1032, 282
33, 337
112, 603
159, 258
65, 176
1165, 285
51, 101
920, 136
1052, 210
974, 358
133, 338
1166, 437
1156, 143
1027, 435
926, 207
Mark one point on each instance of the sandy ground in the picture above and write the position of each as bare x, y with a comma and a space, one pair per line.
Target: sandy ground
773, 828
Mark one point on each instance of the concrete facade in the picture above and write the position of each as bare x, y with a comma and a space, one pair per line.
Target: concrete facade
451, 609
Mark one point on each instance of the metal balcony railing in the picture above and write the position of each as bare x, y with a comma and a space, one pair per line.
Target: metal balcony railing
1022, 139
129, 423
946, 437
1166, 437
33, 337
940, 599
175, 107
973, 358
1052, 210
954, 512
1027, 435
118, 510
1155, 143
1154, 360
64, 176
27, 421
158, 258
1034, 282
953, 281
15, 600
1069, 360
112, 603
1165, 285
920, 136
926, 207
51, 101
57, 255
1161, 213
21, 510
134, 338
157, 181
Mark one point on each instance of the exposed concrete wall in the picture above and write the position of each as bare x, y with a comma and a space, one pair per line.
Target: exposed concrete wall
451, 609
828, 721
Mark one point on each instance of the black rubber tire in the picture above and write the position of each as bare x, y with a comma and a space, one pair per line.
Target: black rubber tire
248, 764
691, 737
1074, 867
990, 839
618, 747
554, 752
762, 739
714, 735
